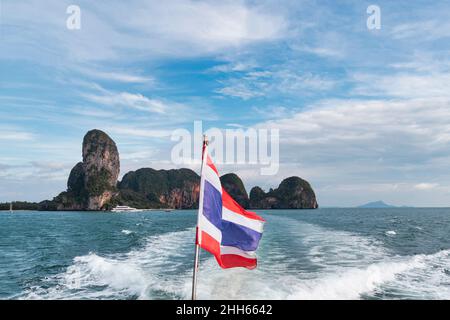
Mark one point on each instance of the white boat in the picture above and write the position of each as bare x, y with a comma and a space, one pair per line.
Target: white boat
125, 209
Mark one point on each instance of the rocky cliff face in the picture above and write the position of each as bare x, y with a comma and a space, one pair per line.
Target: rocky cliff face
179, 189
101, 168
292, 193
149, 188
92, 183
235, 188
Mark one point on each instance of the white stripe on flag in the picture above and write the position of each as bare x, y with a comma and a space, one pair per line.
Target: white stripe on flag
237, 218
205, 225
212, 177
237, 251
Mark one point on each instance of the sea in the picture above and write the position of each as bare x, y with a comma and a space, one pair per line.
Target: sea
329, 253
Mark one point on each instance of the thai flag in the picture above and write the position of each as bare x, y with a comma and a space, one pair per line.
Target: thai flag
224, 228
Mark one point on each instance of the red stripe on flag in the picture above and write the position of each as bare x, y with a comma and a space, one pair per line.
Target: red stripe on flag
211, 164
229, 203
227, 260
234, 260
210, 244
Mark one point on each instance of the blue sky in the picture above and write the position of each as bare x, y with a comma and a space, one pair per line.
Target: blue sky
363, 114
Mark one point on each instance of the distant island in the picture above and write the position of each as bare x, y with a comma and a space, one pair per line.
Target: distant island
93, 185
377, 204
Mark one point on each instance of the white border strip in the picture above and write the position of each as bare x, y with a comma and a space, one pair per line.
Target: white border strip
256, 225
211, 176
237, 251
206, 226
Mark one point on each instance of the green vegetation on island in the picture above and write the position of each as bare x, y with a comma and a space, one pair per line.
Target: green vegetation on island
93, 185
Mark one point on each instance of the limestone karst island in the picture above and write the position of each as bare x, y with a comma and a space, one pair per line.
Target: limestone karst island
93, 185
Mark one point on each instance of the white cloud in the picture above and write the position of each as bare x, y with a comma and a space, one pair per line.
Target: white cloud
143, 133
136, 29
426, 186
139, 155
404, 85
424, 30
233, 67
333, 121
8, 133
94, 112
208, 26
49, 165
132, 100
425, 62
115, 76
368, 144
281, 80
240, 90
274, 112
322, 51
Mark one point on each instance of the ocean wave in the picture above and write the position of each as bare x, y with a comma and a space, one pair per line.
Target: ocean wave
344, 265
351, 266
329, 249
136, 274
399, 274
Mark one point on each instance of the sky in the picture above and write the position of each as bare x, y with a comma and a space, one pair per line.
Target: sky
363, 114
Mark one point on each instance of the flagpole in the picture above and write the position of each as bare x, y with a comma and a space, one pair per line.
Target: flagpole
197, 246
194, 278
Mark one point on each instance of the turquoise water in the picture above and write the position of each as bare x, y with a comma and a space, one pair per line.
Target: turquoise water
304, 254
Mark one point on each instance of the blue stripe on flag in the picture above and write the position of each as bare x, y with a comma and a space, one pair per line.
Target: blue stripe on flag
212, 205
238, 236
233, 235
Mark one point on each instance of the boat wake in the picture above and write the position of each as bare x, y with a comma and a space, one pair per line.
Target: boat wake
328, 264
138, 274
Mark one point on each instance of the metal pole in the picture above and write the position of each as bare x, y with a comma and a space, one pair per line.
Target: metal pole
194, 278
197, 247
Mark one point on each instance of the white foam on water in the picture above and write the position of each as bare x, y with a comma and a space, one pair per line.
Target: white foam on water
353, 283
427, 278
137, 273
401, 273
390, 233
329, 249
345, 266
127, 232
350, 266
239, 283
